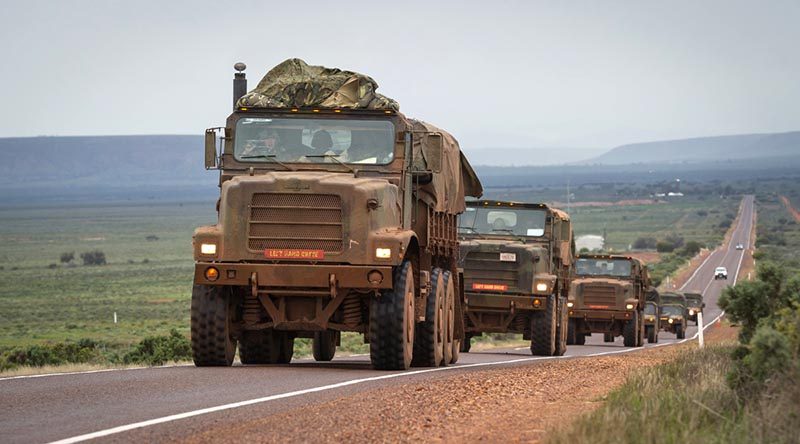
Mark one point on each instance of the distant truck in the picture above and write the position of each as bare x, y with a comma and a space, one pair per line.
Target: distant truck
652, 324
674, 314
516, 260
720, 273
336, 213
607, 295
695, 304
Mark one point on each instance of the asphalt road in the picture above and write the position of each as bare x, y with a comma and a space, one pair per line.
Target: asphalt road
161, 404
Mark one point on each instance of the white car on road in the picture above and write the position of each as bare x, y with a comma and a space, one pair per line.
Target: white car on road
720, 273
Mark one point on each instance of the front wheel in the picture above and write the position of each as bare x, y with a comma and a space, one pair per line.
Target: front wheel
680, 332
630, 332
543, 329
391, 323
211, 319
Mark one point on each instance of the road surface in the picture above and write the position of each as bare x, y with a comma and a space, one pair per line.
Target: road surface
161, 404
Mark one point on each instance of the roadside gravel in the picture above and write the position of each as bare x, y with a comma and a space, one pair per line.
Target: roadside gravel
518, 404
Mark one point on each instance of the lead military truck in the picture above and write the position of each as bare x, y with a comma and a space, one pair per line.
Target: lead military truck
607, 295
517, 259
336, 214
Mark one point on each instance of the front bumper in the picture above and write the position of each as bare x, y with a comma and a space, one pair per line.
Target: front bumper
504, 302
295, 275
600, 315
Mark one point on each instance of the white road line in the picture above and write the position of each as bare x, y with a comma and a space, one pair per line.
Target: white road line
89, 372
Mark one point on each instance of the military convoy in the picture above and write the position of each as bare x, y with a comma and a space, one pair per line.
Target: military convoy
516, 260
337, 213
607, 296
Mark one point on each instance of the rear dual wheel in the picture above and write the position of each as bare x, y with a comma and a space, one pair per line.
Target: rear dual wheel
434, 337
266, 347
324, 345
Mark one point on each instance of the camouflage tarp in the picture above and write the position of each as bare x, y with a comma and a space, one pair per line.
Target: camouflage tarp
445, 193
295, 84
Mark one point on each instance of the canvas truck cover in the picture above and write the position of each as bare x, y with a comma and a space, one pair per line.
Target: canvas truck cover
296, 84
445, 193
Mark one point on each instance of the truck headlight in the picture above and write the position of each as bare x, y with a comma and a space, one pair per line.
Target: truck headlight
209, 249
383, 253
541, 287
670, 321
629, 306
691, 312
570, 304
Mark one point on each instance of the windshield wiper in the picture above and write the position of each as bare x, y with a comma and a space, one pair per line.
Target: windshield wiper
334, 157
511, 232
271, 157
471, 230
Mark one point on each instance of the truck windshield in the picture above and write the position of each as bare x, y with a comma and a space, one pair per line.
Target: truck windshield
672, 310
603, 267
650, 309
259, 139
518, 221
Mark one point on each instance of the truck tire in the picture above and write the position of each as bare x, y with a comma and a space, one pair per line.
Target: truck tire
561, 327
324, 345
450, 342
580, 339
467, 344
258, 347
391, 323
212, 344
608, 337
285, 347
543, 329
680, 332
652, 334
640, 338
630, 333
571, 335
429, 338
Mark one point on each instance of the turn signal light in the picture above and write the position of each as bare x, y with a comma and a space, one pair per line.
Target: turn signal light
536, 303
212, 274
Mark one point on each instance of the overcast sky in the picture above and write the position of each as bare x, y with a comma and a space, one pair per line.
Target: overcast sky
495, 74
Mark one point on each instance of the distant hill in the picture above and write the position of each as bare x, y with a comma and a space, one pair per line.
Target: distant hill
720, 148
528, 156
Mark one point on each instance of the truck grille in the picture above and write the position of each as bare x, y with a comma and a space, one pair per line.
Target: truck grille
295, 221
603, 295
486, 267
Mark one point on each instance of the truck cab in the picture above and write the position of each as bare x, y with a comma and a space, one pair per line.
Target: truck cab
608, 296
333, 217
516, 260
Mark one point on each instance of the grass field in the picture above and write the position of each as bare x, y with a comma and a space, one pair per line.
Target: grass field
148, 283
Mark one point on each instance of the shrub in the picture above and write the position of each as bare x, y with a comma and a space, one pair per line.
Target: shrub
665, 247
702, 213
645, 243
691, 248
67, 257
96, 257
157, 350
52, 266
85, 350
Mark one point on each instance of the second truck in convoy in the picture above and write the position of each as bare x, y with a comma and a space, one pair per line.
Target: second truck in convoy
517, 259
608, 296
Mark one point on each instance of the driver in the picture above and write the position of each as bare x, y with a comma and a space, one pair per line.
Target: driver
267, 143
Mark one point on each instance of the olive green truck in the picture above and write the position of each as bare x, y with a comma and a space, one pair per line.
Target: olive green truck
336, 214
516, 260
607, 295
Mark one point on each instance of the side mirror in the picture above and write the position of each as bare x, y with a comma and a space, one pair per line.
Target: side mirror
211, 148
434, 152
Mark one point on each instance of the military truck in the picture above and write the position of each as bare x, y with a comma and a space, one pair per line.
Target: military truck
516, 260
336, 213
673, 313
695, 304
652, 324
607, 295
